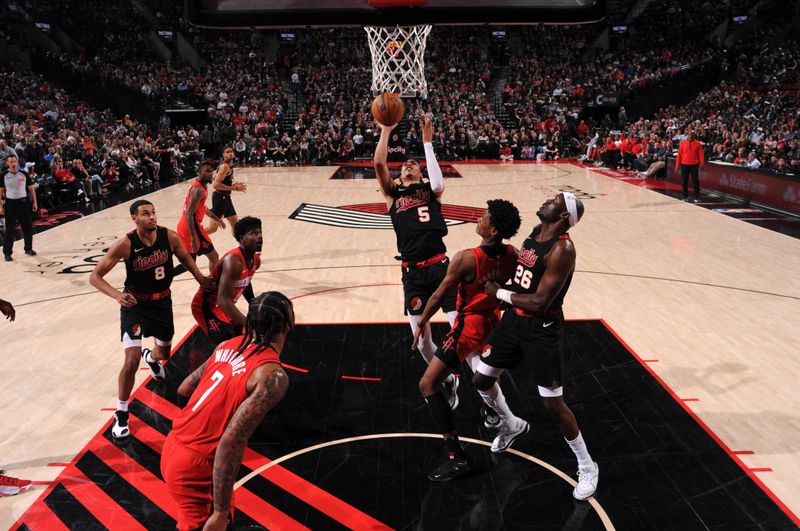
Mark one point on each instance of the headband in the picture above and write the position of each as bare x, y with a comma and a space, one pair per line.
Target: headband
572, 207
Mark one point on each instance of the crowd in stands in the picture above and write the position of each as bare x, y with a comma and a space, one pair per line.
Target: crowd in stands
309, 103
75, 152
753, 120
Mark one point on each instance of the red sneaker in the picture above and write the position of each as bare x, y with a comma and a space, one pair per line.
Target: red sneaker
10, 486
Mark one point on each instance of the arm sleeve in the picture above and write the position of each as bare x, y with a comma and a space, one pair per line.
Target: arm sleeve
434, 171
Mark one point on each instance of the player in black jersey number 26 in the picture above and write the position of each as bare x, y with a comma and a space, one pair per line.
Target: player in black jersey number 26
416, 212
533, 327
145, 303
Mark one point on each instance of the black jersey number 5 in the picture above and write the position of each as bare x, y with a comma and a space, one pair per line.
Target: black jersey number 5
424, 215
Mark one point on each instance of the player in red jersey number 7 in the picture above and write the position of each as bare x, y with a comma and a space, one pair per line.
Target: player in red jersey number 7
230, 394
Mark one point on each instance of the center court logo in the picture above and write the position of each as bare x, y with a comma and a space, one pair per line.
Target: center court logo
374, 215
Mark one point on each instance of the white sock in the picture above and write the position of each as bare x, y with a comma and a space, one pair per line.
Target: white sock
148, 357
579, 447
495, 399
425, 345
451, 316
122, 405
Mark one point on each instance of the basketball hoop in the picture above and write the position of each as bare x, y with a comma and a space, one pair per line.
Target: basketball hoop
398, 59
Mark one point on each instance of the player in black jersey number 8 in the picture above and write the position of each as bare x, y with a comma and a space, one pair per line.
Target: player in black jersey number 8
145, 303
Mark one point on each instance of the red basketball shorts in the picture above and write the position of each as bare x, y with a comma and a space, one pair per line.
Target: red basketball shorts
189, 479
469, 334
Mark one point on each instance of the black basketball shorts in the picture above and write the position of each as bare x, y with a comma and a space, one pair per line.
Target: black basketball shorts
517, 337
148, 319
419, 283
222, 205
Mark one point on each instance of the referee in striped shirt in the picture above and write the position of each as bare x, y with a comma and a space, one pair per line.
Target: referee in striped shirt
14, 187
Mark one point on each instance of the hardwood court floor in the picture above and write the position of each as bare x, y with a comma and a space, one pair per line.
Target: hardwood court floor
709, 300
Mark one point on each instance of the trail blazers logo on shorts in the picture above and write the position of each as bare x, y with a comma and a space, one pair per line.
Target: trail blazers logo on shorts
374, 215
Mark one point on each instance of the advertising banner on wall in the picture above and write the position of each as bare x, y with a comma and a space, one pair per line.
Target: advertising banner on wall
768, 189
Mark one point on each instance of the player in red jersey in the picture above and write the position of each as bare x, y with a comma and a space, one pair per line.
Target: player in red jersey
215, 311
230, 394
478, 314
190, 226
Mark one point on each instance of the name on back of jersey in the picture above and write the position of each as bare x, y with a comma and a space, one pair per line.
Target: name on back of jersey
233, 358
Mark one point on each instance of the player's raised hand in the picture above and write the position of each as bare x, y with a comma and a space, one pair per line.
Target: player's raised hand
426, 124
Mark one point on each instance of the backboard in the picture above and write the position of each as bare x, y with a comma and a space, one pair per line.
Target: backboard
331, 13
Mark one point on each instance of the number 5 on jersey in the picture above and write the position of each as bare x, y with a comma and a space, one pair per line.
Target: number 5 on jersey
423, 214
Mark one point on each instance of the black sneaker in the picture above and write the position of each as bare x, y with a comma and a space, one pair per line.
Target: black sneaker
30, 252
156, 369
120, 431
8, 258
451, 469
490, 417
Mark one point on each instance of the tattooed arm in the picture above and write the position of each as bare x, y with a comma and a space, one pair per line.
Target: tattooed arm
190, 383
270, 383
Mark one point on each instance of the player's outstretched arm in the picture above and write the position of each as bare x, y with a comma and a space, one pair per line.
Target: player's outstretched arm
119, 251
461, 267
560, 263
434, 171
188, 262
190, 383
380, 160
270, 388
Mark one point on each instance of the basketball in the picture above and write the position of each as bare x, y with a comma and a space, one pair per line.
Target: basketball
388, 108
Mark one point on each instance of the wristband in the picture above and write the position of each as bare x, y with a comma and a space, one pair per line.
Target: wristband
504, 295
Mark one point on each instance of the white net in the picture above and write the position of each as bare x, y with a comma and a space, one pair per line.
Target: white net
398, 59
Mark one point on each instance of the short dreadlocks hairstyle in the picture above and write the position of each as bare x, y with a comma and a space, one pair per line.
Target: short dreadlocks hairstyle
267, 314
504, 217
245, 225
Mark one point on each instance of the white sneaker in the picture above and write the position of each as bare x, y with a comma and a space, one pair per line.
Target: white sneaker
587, 482
156, 369
450, 390
120, 430
508, 433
